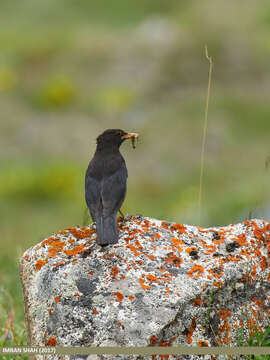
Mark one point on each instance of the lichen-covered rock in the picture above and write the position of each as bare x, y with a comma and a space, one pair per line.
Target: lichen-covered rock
162, 284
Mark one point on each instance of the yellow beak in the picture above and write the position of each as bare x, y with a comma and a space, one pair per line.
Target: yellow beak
130, 135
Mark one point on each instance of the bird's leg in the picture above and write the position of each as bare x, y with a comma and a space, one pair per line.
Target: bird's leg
122, 216
93, 225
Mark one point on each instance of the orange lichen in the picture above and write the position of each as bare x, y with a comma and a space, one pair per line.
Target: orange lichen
259, 233
94, 311
128, 238
145, 228
147, 222
218, 283
224, 328
167, 274
77, 249
196, 271
197, 301
216, 272
202, 343
161, 342
153, 339
39, 264
131, 297
245, 253
166, 280
151, 257
173, 259
241, 239
76, 294
48, 241
259, 302
180, 228
232, 258
51, 342
91, 272
210, 248
57, 299
133, 249
114, 271
251, 323
191, 330
138, 244
263, 263
56, 247
253, 273
119, 296
152, 278
224, 314
26, 257
190, 249
81, 233
144, 287
164, 225
59, 263
119, 324
176, 241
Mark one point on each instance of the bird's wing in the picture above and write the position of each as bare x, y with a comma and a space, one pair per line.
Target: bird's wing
93, 194
113, 190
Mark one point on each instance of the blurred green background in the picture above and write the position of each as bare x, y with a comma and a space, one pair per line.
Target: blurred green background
70, 69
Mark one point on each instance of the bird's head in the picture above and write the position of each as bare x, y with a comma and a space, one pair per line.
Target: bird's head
114, 137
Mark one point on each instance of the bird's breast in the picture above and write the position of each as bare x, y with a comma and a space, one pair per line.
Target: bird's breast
103, 165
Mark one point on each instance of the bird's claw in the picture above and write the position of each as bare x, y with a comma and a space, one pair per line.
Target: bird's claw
122, 216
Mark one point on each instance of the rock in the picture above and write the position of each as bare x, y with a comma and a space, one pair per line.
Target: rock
162, 284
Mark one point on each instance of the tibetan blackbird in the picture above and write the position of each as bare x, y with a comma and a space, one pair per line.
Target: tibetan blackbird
105, 184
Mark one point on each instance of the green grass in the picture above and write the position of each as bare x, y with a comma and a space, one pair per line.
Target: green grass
12, 329
257, 339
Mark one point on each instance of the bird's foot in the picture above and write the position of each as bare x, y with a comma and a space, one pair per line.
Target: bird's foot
94, 225
122, 216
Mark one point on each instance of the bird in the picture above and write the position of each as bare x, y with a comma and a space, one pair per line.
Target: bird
105, 183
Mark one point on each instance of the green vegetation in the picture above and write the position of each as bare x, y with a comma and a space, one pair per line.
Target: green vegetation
69, 70
257, 339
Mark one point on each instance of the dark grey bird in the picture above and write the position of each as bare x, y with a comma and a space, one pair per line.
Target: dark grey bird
105, 184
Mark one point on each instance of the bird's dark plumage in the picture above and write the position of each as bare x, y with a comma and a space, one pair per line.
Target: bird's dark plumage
105, 184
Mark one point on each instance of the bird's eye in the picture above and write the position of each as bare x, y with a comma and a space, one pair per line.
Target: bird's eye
120, 133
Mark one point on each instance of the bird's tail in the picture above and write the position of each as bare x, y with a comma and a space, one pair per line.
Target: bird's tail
107, 232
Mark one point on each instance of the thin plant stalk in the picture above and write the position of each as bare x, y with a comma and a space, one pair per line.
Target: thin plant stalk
205, 129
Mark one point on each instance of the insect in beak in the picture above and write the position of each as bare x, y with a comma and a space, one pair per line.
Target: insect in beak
133, 137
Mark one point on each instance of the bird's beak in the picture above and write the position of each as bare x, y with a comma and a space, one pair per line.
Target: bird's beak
130, 136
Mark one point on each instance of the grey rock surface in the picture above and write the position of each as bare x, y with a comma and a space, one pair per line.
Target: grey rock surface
163, 284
